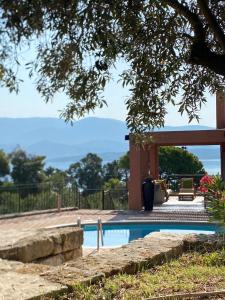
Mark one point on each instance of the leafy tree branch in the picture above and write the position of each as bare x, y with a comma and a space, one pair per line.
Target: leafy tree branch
169, 47
212, 22
192, 17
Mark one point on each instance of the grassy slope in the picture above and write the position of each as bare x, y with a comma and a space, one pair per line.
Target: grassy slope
193, 272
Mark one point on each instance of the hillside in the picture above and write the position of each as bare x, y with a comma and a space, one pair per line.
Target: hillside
63, 143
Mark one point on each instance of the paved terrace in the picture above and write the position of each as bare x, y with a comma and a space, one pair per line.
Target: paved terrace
173, 210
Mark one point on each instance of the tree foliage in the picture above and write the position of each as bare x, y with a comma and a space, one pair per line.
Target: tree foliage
88, 172
113, 184
124, 165
56, 178
112, 170
72, 173
174, 160
4, 164
26, 169
170, 47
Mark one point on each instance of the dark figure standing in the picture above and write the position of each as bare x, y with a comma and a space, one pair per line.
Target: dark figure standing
148, 193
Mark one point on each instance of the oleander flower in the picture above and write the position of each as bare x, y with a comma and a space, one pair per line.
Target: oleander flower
206, 180
203, 189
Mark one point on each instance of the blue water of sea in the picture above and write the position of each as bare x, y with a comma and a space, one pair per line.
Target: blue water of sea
121, 234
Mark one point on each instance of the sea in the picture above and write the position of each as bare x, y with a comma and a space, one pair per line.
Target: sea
212, 166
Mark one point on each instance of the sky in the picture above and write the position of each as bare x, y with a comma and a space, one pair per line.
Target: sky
28, 103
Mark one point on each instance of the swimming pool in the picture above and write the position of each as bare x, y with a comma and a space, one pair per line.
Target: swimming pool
121, 234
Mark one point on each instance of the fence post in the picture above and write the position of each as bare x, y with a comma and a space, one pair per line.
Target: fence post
19, 208
19, 205
103, 199
78, 199
59, 202
79, 222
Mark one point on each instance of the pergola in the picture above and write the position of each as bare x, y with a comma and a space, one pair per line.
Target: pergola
145, 161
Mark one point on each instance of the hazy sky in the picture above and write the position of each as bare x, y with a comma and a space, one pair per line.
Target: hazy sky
28, 103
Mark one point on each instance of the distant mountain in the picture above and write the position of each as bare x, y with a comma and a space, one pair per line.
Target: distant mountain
63, 143
55, 150
26, 131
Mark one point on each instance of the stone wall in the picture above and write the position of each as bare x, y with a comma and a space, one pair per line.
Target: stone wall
29, 280
45, 246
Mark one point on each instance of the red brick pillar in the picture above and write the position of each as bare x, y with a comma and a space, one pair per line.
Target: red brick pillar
139, 167
220, 123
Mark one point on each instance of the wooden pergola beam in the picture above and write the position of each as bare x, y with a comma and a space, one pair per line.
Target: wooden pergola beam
188, 138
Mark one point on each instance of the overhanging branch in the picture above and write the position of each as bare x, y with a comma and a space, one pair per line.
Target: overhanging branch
212, 22
201, 55
193, 18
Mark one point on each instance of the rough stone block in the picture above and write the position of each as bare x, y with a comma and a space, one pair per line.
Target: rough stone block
19, 285
58, 259
45, 243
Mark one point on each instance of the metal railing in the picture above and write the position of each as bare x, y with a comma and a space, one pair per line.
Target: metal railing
25, 198
99, 232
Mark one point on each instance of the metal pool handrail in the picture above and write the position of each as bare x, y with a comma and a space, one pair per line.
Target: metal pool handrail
99, 234
99, 231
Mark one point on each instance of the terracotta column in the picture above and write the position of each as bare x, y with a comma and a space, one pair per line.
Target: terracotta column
220, 109
139, 167
222, 158
220, 124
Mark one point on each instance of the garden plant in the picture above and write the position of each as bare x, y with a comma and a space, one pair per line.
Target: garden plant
213, 188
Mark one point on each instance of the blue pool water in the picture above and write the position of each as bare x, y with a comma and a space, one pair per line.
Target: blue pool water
121, 234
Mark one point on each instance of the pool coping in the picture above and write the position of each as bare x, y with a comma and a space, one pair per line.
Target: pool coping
135, 222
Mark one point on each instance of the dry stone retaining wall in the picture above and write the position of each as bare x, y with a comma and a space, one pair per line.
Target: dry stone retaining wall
46, 246
44, 280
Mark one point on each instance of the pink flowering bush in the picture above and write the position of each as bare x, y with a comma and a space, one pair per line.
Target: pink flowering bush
213, 188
